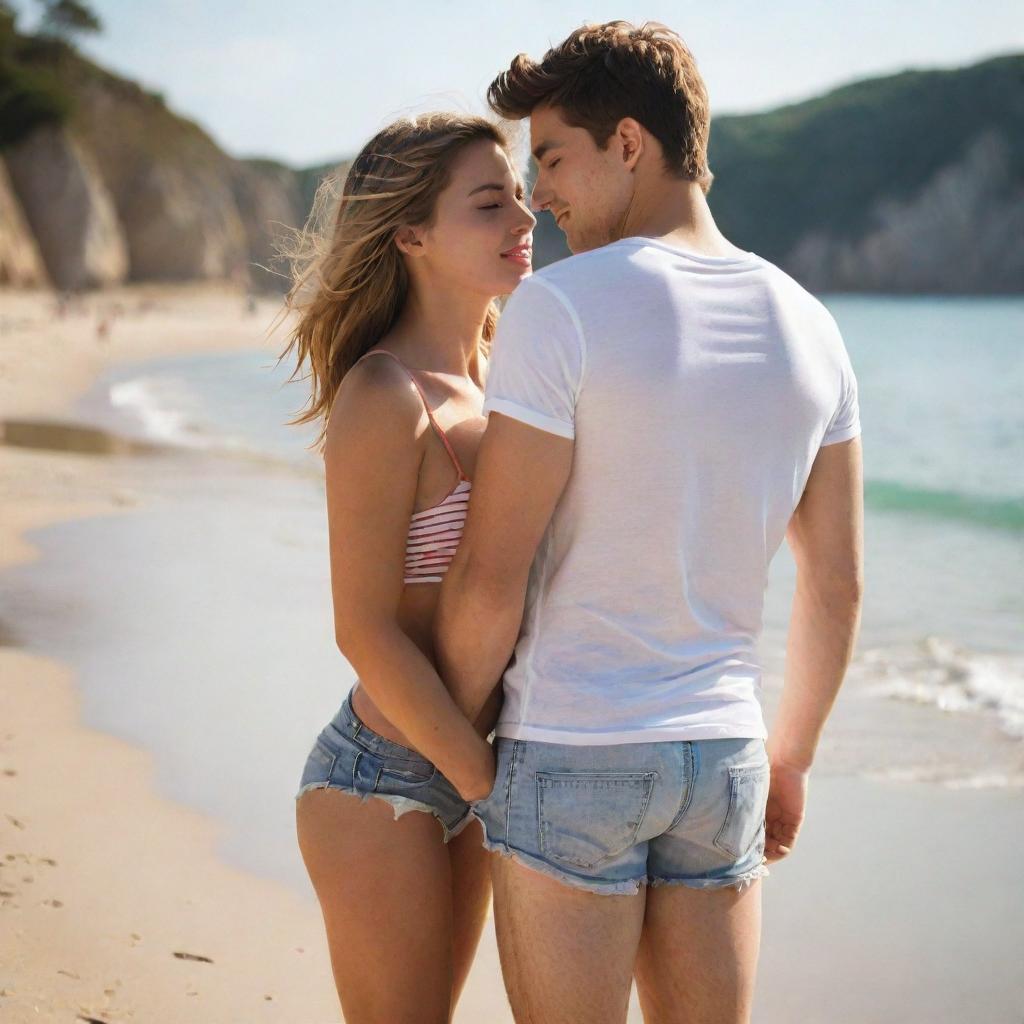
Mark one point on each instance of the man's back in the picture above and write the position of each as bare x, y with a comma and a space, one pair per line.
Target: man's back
698, 390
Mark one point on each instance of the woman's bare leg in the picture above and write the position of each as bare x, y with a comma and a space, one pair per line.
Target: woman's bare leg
471, 897
386, 892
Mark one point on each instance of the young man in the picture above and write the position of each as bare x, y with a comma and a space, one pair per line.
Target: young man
664, 408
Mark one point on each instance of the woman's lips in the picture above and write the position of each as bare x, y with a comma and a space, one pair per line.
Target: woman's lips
522, 254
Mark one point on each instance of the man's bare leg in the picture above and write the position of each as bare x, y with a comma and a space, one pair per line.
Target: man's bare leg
566, 954
697, 959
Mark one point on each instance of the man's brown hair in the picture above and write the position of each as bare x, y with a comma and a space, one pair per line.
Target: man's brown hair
603, 73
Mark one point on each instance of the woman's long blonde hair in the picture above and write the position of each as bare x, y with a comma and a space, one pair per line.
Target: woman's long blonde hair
349, 280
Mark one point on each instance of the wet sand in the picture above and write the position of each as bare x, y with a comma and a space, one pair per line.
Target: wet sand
134, 882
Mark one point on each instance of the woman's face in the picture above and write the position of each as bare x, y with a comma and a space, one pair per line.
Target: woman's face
482, 235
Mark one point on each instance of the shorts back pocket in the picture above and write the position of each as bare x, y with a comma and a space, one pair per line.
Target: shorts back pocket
748, 797
586, 818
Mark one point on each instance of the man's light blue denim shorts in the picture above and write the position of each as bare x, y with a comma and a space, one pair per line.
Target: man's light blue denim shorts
349, 756
608, 819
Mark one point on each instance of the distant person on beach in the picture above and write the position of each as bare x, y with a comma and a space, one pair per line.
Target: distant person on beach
664, 408
395, 302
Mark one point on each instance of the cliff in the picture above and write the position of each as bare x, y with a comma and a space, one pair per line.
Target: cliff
21, 264
118, 187
910, 183
69, 208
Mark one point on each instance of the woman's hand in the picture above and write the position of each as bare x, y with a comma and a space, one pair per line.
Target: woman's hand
477, 781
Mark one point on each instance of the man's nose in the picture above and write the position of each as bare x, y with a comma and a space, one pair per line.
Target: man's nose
538, 197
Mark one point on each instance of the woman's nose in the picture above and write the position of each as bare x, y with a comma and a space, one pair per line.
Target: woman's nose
528, 220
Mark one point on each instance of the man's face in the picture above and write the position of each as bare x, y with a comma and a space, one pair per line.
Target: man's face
586, 189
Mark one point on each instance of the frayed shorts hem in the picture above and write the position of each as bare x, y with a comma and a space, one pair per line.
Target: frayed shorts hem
400, 804
740, 881
629, 887
625, 887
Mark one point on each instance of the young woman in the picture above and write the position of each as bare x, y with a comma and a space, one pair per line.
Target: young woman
395, 312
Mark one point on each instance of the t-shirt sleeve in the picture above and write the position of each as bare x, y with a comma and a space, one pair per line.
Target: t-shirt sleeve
537, 360
845, 422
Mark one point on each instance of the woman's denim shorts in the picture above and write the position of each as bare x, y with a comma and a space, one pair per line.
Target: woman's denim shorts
608, 819
349, 756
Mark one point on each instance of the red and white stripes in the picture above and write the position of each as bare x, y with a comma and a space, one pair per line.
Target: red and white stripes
434, 534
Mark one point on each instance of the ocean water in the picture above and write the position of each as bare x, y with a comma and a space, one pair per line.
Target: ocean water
941, 387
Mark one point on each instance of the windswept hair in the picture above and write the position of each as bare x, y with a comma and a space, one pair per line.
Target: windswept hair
349, 280
603, 73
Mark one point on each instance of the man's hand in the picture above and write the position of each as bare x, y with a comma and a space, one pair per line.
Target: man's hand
787, 799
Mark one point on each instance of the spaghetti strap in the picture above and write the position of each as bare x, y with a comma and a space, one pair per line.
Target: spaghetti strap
426, 405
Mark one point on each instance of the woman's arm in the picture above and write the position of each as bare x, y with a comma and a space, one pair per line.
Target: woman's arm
372, 456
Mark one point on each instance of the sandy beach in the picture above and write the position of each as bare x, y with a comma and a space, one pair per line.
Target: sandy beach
902, 901
114, 905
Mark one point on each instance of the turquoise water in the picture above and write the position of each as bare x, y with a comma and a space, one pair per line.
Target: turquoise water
941, 384
940, 381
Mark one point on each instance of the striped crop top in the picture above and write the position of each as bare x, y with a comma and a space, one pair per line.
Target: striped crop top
434, 533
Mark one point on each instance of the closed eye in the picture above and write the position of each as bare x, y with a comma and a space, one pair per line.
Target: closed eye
520, 195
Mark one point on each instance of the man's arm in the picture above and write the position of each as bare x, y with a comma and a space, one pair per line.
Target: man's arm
826, 536
520, 474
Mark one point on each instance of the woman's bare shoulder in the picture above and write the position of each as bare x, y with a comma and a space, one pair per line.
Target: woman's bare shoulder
376, 398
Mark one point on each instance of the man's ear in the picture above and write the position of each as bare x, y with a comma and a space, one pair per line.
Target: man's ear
408, 241
629, 136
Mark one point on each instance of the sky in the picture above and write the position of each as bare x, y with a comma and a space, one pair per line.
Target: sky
309, 81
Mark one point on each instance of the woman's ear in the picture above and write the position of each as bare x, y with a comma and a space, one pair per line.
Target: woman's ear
408, 241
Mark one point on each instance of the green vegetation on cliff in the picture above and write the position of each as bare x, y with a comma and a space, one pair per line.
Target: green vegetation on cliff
44, 79
31, 92
824, 164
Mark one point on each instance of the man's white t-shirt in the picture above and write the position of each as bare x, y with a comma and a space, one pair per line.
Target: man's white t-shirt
698, 390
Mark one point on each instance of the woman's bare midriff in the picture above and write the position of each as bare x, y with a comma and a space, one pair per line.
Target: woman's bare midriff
416, 619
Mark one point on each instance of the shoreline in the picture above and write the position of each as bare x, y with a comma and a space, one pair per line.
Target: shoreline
135, 876
81, 816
